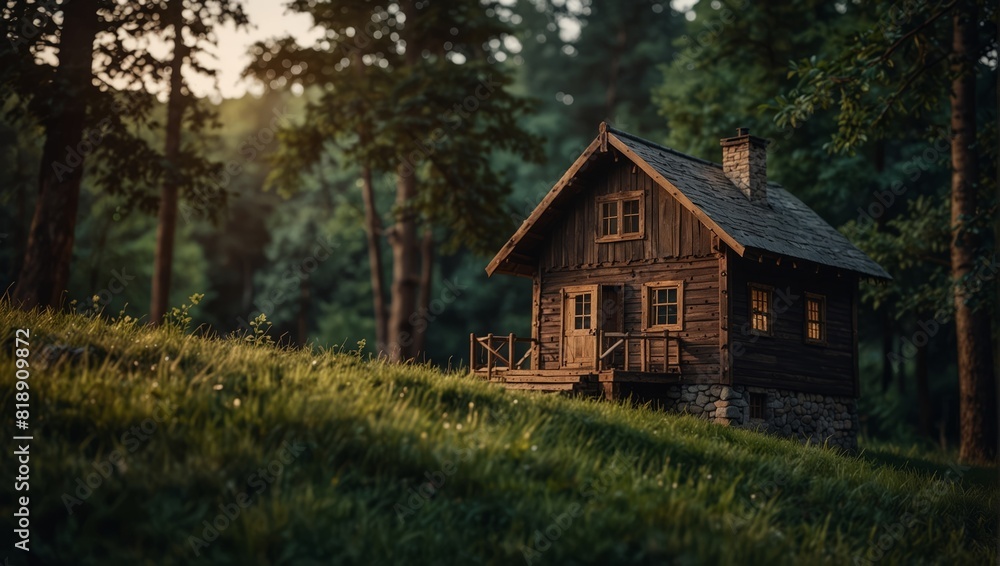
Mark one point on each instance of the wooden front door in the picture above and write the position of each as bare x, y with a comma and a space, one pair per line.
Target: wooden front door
579, 313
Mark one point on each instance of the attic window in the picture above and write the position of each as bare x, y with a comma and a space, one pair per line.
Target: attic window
620, 216
760, 310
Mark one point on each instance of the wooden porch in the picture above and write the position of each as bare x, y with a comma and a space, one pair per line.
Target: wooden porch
512, 362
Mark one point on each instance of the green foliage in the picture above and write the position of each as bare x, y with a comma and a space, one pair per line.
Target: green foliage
891, 72
915, 243
260, 327
403, 464
398, 101
122, 118
732, 59
179, 318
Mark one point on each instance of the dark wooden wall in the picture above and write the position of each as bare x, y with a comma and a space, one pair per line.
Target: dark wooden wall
785, 360
699, 340
676, 247
671, 230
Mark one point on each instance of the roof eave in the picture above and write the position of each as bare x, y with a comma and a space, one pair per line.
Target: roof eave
543, 205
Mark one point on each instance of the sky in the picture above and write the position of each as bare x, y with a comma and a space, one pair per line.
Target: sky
269, 19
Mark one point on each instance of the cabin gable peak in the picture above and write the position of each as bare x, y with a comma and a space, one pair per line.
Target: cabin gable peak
734, 200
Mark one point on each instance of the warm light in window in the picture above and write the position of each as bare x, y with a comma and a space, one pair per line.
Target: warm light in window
760, 310
815, 319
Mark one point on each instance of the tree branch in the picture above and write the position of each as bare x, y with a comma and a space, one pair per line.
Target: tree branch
903, 87
892, 48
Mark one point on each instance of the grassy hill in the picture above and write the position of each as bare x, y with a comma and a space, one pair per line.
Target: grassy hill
158, 447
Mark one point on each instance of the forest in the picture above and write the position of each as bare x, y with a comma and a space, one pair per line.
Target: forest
353, 197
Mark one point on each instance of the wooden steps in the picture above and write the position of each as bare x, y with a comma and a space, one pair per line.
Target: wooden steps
573, 381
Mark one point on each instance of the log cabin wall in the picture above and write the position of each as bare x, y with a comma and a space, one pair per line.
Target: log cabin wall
675, 247
785, 360
671, 231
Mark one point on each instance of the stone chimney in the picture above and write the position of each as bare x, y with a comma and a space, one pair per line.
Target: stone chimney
744, 161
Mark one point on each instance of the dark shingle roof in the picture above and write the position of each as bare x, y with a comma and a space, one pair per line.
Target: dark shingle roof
785, 225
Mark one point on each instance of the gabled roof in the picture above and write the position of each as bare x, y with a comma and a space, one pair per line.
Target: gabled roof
783, 226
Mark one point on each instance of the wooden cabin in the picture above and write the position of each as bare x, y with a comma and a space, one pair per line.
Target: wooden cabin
695, 286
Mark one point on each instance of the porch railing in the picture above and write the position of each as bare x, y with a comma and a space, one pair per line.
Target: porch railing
499, 352
611, 345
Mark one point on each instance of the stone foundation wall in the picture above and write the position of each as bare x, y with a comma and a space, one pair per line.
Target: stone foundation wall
805, 416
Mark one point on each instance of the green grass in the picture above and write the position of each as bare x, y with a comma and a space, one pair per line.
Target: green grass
609, 483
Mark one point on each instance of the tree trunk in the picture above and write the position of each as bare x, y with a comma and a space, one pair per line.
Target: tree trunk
977, 388
996, 256
887, 349
44, 273
21, 235
403, 238
98, 253
884, 312
923, 392
424, 300
303, 322
163, 261
405, 250
373, 232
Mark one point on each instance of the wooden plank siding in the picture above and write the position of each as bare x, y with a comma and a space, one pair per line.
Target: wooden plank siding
699, 340
671, 231
784, 360
675, 246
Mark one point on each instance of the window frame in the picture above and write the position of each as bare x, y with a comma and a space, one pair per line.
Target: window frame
751, 287
619, 200
823, 323
587, 316
648, 290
